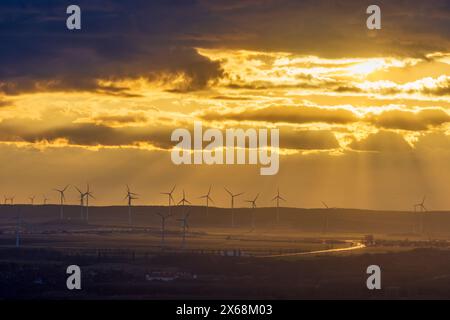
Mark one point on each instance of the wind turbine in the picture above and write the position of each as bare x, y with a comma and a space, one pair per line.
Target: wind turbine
420, 205
130, 196
82, 194
326, 216
232, 204
163, 227
62, 198
183, 201
422, 210
169, 195
278, 198
88, 194
10, 199
253, 202
45, 199
185, 226
32, 199
207, 198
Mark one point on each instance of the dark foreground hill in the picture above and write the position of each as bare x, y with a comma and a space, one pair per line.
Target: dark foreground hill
395, 223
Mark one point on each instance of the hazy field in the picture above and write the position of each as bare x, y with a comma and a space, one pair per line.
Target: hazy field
217, 260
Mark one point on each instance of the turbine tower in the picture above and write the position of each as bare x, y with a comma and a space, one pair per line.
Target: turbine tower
232, 204
420, 205
422, 210
32, 199
278, 198
163, 227
169, 195
183, 201
88, 194
130, 196
208, 198
45, 199
82, 194
326, 217
62, 198
253, 202
185, 226
10, 199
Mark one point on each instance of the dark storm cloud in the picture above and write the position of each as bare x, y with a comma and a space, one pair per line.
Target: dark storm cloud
117, 40
156, 39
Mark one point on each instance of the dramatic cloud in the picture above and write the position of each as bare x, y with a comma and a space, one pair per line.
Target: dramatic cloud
288, 114
89, 135
388, 119
131, 40
406, 120
383, 141
308, 140
354, 106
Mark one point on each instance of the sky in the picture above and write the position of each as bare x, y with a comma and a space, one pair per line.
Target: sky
363, 114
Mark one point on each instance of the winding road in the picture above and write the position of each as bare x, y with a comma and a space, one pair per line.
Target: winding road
355, 246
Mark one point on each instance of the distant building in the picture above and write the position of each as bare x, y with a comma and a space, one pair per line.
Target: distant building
369, 240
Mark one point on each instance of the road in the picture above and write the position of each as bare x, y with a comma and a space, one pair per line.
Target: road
355, 246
